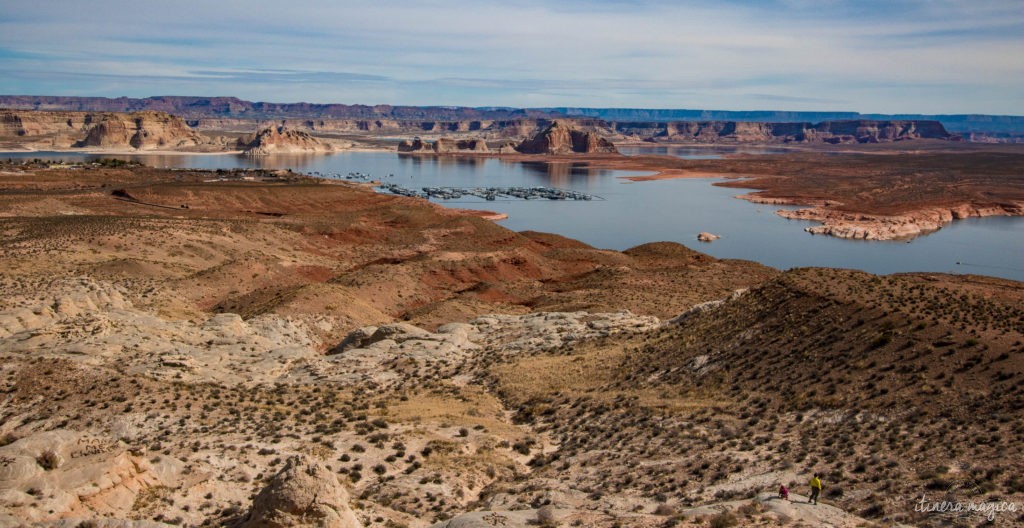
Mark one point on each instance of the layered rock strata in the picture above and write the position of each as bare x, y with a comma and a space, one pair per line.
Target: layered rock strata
281, 140
443, 146
563, 138
138, 130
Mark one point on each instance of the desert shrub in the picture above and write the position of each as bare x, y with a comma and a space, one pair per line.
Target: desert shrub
939, 484
751, 508
1015, 485
873, 512
546, 516
664, 510
880, 341
723, 520
48, 460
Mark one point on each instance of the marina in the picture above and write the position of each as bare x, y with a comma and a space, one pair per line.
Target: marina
490, 193
351, 176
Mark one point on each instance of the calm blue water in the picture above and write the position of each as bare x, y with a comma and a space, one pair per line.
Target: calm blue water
696, 152
635, 213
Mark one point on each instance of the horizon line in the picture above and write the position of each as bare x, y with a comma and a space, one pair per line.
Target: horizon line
514, 108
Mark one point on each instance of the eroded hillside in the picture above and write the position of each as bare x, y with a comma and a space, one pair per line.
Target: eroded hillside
893, 387
218, 348
172, 339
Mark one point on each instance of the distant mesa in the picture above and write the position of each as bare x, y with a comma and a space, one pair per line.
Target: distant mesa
863, 131
443, 146
704, 236
562, 138
834, 132
222, 113
281, 140
157, 130
232, 107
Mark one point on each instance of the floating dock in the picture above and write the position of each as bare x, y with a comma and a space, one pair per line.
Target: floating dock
352, 176
490, 193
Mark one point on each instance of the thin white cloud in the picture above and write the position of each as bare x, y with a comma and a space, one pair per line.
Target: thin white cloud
868, 56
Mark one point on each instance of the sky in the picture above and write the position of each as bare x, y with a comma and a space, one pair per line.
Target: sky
931, 57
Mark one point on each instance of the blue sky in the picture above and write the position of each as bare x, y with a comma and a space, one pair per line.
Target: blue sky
868, 56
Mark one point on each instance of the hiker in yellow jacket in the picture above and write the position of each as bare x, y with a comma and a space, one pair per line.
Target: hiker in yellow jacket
815, 489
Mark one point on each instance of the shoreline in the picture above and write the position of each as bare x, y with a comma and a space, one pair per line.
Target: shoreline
133, 152
913, 224
121, 152
843, 224
683, 174
829, 211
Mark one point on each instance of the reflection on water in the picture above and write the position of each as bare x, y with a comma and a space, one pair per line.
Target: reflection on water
472, 162
635, 213
296, 162
697, 152
562, 174
426, 170
555, 174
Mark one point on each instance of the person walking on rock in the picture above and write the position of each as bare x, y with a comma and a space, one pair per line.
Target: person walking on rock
815, 489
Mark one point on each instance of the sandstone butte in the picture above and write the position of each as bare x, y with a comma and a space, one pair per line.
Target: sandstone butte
281, 140
558, 138
562, 138
443, 146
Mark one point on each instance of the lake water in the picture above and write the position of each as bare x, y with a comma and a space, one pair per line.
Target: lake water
697, 152
634, 213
